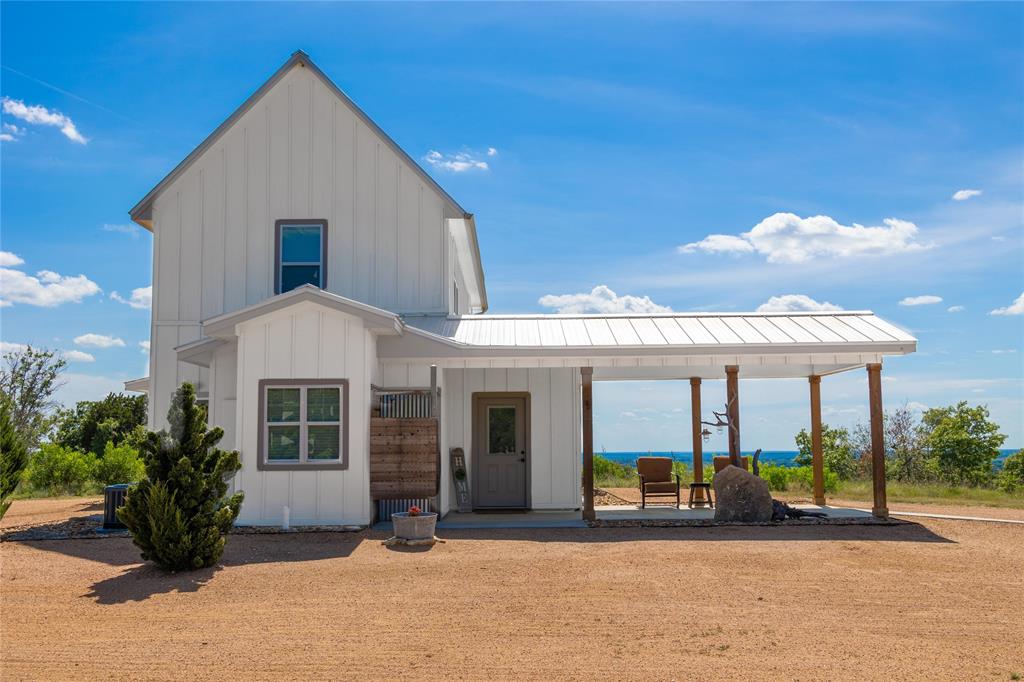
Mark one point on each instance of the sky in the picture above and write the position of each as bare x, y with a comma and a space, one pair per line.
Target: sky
618, 157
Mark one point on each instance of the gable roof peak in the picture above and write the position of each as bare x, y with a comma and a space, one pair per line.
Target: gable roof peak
142, 212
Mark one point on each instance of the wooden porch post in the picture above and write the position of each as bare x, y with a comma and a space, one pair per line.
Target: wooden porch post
698, 441
817, 457
588, 444
880, 509
732, 399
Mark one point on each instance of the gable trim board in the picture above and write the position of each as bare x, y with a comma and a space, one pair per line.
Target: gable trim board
142, 212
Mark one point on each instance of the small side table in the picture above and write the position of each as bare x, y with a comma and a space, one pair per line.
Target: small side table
707, 501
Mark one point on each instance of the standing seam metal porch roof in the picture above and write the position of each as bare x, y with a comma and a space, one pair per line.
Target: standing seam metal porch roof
861, 330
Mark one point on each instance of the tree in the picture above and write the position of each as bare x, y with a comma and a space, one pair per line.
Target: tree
28, 380
1011, 478
13, 457
963, 442
178, 514
837, 452
94, 423
908, 459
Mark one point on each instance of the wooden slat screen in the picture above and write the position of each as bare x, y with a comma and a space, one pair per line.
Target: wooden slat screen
404, 458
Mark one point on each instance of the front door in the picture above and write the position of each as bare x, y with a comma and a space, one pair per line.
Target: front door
501, 451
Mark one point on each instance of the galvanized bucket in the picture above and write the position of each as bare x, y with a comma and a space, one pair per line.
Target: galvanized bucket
419, 527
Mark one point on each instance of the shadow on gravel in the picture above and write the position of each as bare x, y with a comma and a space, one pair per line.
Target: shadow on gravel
897, 531
141, 582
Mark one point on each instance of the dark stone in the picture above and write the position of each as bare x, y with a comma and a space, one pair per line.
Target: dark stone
741, 496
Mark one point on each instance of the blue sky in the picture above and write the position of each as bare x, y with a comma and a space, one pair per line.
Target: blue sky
679, 152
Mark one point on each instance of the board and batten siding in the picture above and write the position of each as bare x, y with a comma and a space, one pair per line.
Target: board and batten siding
305, 342
555, 435
299, 152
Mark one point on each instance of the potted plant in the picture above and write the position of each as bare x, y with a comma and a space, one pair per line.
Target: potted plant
414, 524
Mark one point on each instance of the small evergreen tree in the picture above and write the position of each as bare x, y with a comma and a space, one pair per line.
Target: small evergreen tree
13, 457
179, 513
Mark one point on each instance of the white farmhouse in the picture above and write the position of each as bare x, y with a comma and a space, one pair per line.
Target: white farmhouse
326, 297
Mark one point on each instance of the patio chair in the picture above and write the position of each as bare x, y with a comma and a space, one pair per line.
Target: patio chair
657, 479
722, 461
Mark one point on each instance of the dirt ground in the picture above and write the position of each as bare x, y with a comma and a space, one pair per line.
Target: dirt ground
632, 496
929, 601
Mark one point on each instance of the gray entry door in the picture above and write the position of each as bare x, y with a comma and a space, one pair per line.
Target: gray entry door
501, 452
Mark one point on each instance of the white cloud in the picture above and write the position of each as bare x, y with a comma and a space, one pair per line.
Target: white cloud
794, 302
458, 162
921, 300
719, 243
144, 346
46, 289
8, 259
601, 299
8, 347
130, 230
955, 309
491, 151
99, 341
40, 115
788, 238
141, 298
1015, 308
78, 356
11, 132
965, 194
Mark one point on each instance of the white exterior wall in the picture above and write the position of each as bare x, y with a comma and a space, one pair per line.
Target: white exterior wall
305, 342
555, 428
300, 152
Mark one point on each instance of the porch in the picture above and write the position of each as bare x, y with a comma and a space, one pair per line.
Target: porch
552, 362
653, 515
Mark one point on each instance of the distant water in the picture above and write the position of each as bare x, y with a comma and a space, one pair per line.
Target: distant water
780, 457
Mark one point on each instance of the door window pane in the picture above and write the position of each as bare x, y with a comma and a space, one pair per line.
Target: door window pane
323, 442
501, 430
294, 276
300, 244
283, 405
284, 443
323, 405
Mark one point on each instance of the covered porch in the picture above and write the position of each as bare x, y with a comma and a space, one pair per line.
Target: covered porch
697, 347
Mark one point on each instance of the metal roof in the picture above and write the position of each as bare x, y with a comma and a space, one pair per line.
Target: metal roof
861, 329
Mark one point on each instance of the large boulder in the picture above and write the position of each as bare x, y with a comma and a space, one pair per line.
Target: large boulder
740, 496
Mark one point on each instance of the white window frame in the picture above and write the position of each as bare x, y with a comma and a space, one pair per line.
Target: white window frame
303, 462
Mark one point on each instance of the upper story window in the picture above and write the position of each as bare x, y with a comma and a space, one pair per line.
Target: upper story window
300, 254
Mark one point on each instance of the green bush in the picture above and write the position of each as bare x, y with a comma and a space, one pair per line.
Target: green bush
776, 476
119, 464
179, 512
1011, 478
60, 470
612, 474
803, 477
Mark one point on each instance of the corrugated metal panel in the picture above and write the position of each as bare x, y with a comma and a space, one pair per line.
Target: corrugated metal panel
385, 508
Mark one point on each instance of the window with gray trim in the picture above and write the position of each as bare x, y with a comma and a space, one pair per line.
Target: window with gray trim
300, 254
303, 424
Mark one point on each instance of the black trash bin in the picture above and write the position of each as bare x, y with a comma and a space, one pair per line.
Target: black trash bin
113, 499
